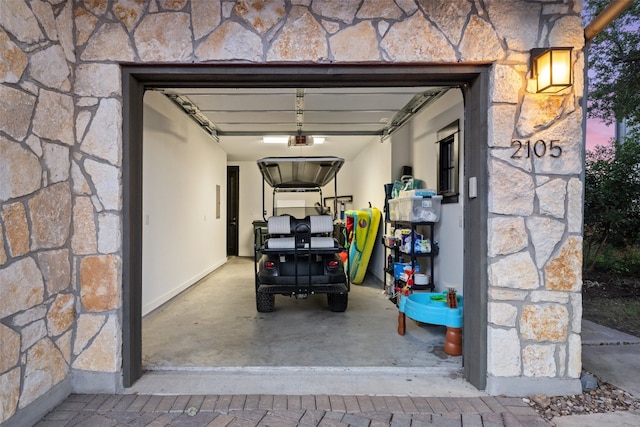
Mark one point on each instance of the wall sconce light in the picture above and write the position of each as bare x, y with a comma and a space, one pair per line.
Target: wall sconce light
551, 67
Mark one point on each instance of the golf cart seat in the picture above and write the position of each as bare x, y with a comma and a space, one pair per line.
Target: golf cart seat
312, 232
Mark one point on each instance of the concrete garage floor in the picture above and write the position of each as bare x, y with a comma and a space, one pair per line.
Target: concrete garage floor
215, 323
212, 336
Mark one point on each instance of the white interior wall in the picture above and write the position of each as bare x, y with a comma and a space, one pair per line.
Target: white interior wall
345, 185
372, 169
401, 151
449, 232
182, 239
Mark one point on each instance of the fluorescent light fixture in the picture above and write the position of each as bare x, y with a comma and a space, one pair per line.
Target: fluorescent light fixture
275, 139
285, 139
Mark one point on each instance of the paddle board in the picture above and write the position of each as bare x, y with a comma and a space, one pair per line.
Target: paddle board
362, 227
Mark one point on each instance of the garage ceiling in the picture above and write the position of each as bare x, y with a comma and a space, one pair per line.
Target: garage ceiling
348, 118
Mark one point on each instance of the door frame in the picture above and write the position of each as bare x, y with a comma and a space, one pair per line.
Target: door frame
474, 83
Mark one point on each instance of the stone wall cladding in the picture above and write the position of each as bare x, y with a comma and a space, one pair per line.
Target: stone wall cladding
548, 307
61, 154
38, 309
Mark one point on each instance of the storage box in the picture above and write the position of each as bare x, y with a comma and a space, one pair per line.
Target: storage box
399, 267
415, 209
421, 192
390, 241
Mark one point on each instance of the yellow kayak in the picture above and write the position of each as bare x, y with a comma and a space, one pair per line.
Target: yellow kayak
362, 226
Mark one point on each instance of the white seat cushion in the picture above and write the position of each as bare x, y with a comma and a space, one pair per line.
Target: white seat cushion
321, 224
281, 243
322, 242
279, 224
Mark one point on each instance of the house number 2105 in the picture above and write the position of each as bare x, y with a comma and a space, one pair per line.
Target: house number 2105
539, 148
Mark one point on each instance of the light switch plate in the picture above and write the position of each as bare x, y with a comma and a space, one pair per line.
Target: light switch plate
473, 187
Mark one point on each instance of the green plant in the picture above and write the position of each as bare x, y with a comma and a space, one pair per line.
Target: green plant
630, 259
622, 262
614, 61
612, 198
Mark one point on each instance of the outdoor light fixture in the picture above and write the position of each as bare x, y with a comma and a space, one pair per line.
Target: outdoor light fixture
551, 67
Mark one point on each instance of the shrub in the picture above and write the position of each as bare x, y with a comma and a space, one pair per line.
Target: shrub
623, 262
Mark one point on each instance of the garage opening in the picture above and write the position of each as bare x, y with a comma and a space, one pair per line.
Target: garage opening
214, 322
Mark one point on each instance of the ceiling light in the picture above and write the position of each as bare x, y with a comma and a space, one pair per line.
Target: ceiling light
285, 139
275, 139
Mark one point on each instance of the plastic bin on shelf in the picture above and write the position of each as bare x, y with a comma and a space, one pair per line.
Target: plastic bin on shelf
400, 267
415, 209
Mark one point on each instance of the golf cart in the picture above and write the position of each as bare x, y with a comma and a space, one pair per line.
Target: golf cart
297, 255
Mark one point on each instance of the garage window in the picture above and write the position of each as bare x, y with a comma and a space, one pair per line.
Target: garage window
448, 162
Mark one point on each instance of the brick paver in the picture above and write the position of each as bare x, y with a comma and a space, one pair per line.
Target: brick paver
308, 402
351, 403
209, 403
379, 403
290, 411
179, 405
323, 402
337, 403
294, 402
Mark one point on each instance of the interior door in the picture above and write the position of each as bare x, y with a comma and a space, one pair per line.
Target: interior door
233, 180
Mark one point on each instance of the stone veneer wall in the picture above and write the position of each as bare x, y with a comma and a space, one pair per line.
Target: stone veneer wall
61, 153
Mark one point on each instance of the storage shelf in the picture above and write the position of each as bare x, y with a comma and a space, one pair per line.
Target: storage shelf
417, 254
409, 223
431, 287
413, 257
415, 287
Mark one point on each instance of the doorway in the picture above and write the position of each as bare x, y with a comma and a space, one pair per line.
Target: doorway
233, 198
474, 83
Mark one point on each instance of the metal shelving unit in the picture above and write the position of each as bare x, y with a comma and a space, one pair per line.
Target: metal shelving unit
413, 257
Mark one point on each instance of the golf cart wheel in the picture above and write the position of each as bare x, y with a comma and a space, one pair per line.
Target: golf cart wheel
338, 302
265, 302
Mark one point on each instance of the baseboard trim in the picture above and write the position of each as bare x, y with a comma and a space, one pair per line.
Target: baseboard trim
85, 382
40, 407
158, 301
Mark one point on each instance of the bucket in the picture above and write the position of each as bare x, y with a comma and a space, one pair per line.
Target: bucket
421, 279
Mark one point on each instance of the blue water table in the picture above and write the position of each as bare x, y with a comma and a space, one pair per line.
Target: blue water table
428, 307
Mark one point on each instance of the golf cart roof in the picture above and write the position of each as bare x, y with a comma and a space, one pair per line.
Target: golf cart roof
299, 172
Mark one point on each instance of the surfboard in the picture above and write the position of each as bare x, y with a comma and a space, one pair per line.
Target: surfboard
362, 228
